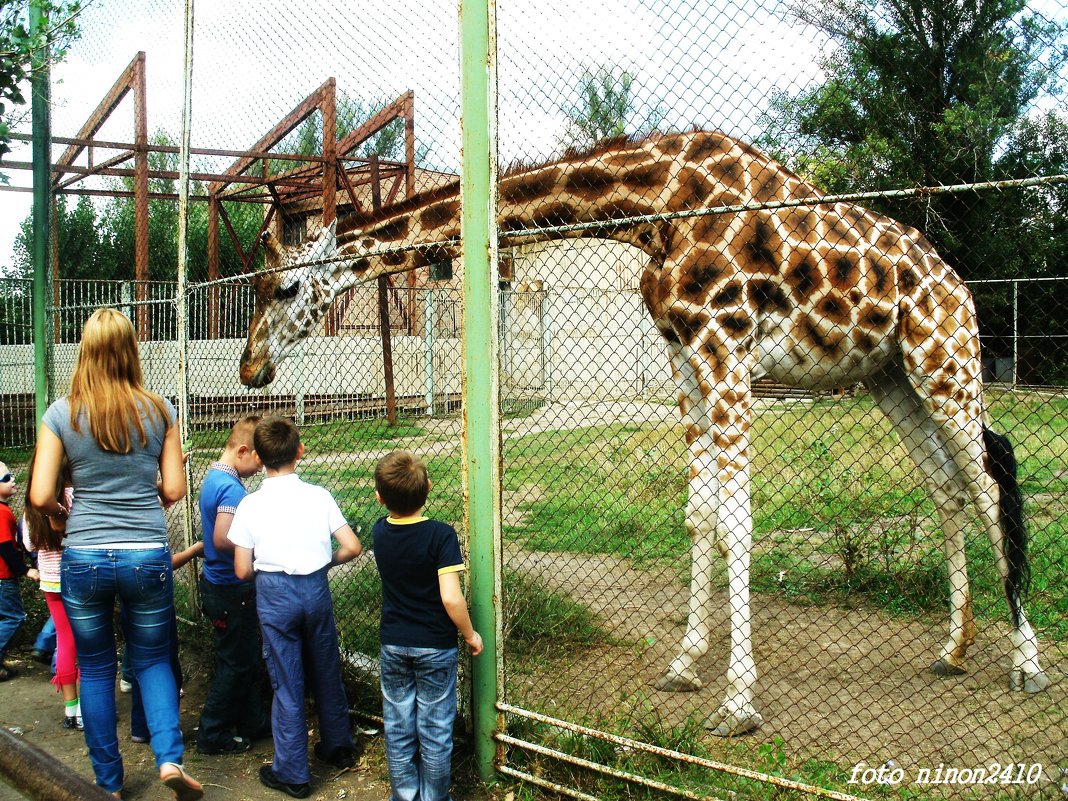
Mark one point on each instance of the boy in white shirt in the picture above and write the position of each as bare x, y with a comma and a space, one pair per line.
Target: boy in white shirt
282, 536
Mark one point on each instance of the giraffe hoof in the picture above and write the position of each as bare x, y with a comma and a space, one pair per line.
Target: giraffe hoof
727, 724
1027, 682
944, 668
674, 683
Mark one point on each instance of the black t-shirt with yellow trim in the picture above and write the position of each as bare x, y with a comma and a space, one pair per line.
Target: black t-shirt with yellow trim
410, 557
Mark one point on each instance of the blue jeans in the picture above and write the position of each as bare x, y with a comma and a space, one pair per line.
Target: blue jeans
419, 708
11, 613
92, 579
46, 638
297, 619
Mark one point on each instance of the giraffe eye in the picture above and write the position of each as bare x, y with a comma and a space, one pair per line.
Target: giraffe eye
285, 292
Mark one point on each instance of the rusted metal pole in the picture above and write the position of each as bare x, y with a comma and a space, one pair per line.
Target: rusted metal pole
383, 309
36, 774
144, 327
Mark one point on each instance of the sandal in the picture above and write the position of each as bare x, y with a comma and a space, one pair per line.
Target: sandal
185, 787
7, 672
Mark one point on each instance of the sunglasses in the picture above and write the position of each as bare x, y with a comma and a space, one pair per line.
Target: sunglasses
6, 477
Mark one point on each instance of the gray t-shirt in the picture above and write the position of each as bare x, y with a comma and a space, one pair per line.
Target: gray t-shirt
115, 497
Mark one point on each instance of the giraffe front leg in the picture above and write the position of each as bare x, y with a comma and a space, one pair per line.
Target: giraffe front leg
681, 676
737, 714
701, 519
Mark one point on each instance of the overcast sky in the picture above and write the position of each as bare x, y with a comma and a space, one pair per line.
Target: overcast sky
704, 62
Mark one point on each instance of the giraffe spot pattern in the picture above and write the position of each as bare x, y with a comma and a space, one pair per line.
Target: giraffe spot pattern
804, 280
844, 271
834, 308
706, 145
726, 171
825, 343
687, 326
590, 182
523, 189
696, 280
439, 214
693, 188
759, 249
728, 296
736, 324
767, 296
392, 231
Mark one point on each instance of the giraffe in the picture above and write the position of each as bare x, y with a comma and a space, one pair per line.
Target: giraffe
816, 295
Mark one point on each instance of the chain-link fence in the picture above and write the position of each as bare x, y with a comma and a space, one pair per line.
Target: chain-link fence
815, 339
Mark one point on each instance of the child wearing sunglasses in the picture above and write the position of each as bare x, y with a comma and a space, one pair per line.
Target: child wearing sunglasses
12, 568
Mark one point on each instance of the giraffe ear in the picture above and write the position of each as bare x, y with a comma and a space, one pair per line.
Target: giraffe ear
271, 246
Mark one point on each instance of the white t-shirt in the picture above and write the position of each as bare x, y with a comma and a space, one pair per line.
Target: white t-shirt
287, 524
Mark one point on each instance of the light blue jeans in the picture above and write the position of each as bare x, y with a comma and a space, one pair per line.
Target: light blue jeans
11, 612
92, 579
419, 708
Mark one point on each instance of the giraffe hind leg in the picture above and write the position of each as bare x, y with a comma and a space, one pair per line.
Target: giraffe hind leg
1026, 674
922, 438
985, 463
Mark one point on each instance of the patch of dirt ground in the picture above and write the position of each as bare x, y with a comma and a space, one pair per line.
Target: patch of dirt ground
29, 704
837, 685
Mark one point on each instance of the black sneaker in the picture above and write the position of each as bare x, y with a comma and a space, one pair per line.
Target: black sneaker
339, 757
268, 779
235, 745
37, 655
73, 722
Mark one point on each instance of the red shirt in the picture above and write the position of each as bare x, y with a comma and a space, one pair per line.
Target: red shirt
8, 532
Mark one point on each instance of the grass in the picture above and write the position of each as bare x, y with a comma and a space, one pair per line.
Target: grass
333, 437
839, 512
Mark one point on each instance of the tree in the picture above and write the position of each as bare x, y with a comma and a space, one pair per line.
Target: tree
930, 92
922, 93
606, 107
20, 48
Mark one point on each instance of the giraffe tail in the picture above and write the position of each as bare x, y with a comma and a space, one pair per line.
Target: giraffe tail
1003, 470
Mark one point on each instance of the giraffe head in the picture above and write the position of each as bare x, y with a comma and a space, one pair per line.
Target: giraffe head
292, 295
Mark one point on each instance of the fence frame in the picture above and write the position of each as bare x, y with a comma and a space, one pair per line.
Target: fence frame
481, 429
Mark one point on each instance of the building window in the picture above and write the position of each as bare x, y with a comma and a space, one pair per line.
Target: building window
294, 231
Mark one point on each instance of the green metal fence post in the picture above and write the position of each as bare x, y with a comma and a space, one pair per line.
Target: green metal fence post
478, 100
42, 210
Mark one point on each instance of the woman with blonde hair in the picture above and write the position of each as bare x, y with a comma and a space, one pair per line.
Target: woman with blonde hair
125, 457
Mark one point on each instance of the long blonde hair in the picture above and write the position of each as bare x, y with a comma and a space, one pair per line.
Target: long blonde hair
107, 383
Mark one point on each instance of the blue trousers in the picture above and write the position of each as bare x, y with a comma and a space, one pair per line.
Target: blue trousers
92, 580
11, 613
419, 708
234, 703
297, 620
46, 638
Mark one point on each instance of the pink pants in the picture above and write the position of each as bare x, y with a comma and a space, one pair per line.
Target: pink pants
66, 658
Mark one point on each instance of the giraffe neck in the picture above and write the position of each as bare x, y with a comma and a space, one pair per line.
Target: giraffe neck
591, 193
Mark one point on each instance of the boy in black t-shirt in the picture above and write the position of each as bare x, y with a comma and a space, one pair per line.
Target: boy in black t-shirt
423, 606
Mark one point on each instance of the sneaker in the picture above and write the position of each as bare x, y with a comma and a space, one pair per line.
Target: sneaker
73, 722
125, 686
37, 655
339, 757
268, 779
140, 738
235, 745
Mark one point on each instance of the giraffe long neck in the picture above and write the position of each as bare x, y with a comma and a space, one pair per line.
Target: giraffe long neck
572, 198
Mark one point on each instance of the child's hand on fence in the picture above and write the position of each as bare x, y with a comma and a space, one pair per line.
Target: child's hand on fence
474, 642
